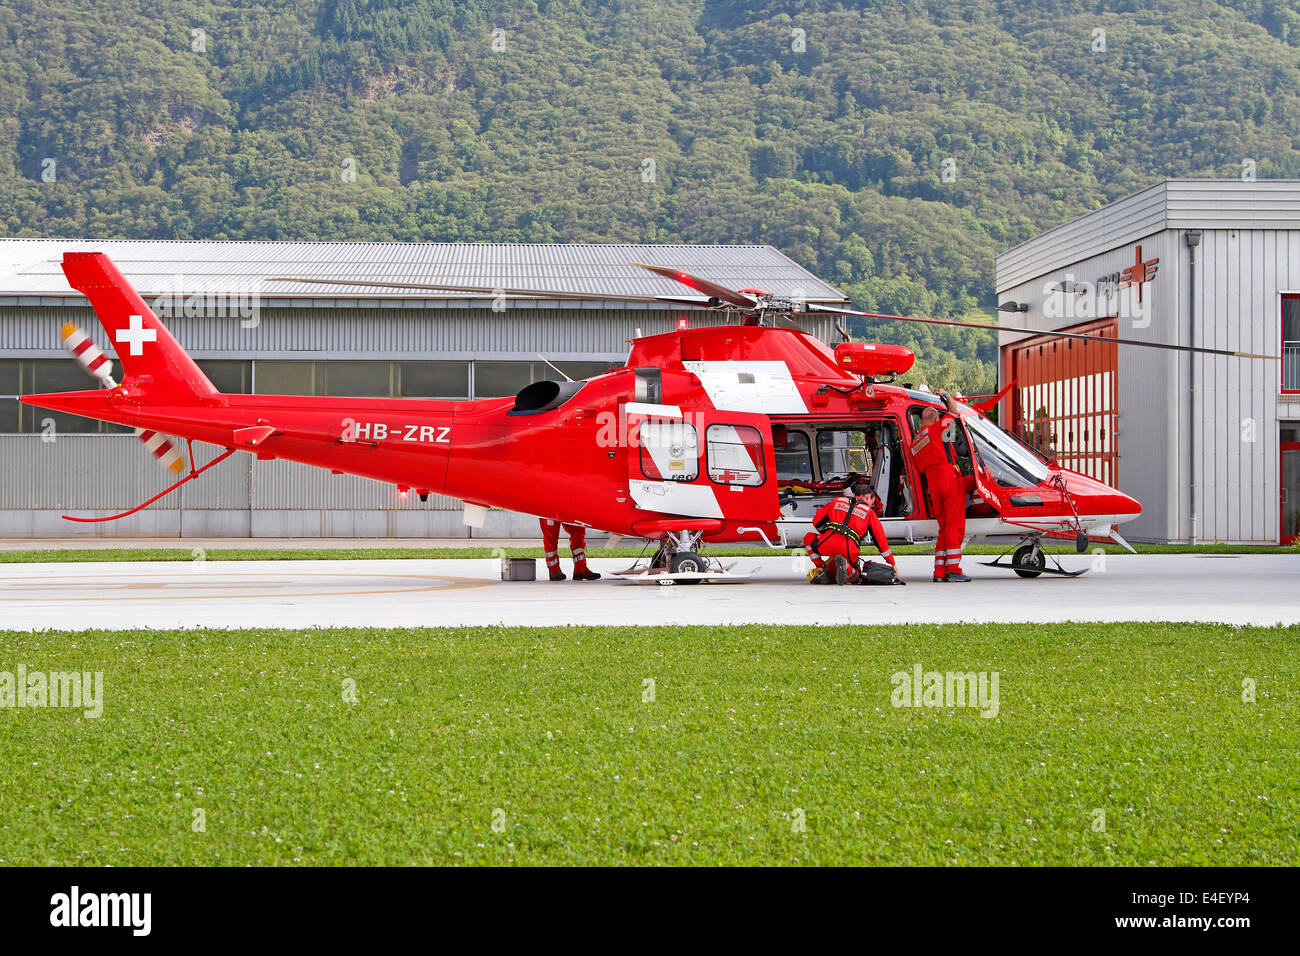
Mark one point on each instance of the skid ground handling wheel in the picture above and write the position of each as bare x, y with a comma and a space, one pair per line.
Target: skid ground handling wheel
1029, 560
677, 555
687, 561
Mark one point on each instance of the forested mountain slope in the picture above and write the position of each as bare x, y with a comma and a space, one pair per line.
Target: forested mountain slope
820, 127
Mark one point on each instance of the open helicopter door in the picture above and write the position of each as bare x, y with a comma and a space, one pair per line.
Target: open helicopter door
701, 464
986, 486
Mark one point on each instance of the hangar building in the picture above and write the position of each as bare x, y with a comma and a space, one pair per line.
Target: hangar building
249, 335
1209, 444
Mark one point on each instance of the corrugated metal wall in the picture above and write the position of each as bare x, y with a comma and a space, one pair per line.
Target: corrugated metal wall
1151, 405
1235, 411
567, 334
1059, 249
105, 474
366, 333
1172, 204
1238, 282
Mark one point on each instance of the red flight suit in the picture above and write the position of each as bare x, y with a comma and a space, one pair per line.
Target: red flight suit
937, 460
849, 520
551, 545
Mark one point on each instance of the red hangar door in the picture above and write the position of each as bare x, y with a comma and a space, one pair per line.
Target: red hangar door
1290, 488
1066, 400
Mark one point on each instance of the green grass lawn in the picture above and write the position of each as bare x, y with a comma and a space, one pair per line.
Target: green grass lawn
418, 553
548, 732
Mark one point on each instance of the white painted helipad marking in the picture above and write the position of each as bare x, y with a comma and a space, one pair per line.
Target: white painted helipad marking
1251, 589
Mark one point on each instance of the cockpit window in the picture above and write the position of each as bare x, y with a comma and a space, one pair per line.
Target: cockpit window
1010, 462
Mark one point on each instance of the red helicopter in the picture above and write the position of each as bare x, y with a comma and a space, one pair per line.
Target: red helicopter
720, 433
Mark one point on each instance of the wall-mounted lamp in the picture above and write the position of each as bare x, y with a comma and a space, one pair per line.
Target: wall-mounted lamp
1014, 306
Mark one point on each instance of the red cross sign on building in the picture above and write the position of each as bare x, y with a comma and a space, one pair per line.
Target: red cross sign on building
1139, 272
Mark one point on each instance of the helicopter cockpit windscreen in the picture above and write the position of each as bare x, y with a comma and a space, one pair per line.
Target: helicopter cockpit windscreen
1011, 463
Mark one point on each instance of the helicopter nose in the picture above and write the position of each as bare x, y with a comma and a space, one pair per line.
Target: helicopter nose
1126, 508
1099, 498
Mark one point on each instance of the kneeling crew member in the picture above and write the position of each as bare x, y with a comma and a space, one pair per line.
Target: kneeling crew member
934, 449
577, 544
842, 523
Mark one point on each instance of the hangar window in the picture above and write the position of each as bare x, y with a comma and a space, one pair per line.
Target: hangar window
433, 379
583, 370
670, 451
288, 378
32, 376
359, 379
362, 379
54, 375
735, 455
1066, 401
1291, 343
504, 379
233, 378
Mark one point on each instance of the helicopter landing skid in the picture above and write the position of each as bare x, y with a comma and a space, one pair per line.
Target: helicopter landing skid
1029, 560
1058, 570
644, 573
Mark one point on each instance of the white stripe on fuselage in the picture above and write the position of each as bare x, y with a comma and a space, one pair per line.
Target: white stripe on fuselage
653, 411
739, 386
675, 498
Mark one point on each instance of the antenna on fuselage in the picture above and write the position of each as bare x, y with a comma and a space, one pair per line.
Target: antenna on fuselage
552, 365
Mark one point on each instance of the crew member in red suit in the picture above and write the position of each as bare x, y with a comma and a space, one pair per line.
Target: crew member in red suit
841, 525
577, 544
934, 450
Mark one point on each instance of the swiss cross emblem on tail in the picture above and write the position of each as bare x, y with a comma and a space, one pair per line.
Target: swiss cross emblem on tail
135, 335
1139, 272
153, 363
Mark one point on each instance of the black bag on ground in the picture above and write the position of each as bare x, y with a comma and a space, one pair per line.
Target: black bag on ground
875, 572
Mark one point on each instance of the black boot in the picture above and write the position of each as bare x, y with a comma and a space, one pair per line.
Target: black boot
841, 569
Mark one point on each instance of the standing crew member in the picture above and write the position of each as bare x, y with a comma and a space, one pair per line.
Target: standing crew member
934, 449
577, 544
841, 525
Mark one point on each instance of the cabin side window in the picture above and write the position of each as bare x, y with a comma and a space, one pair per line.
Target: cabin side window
842, 451
793, 455
670, 451
735, 454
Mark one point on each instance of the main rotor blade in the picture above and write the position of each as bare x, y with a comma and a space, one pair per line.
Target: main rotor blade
694, 302
739, 299
814, 308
